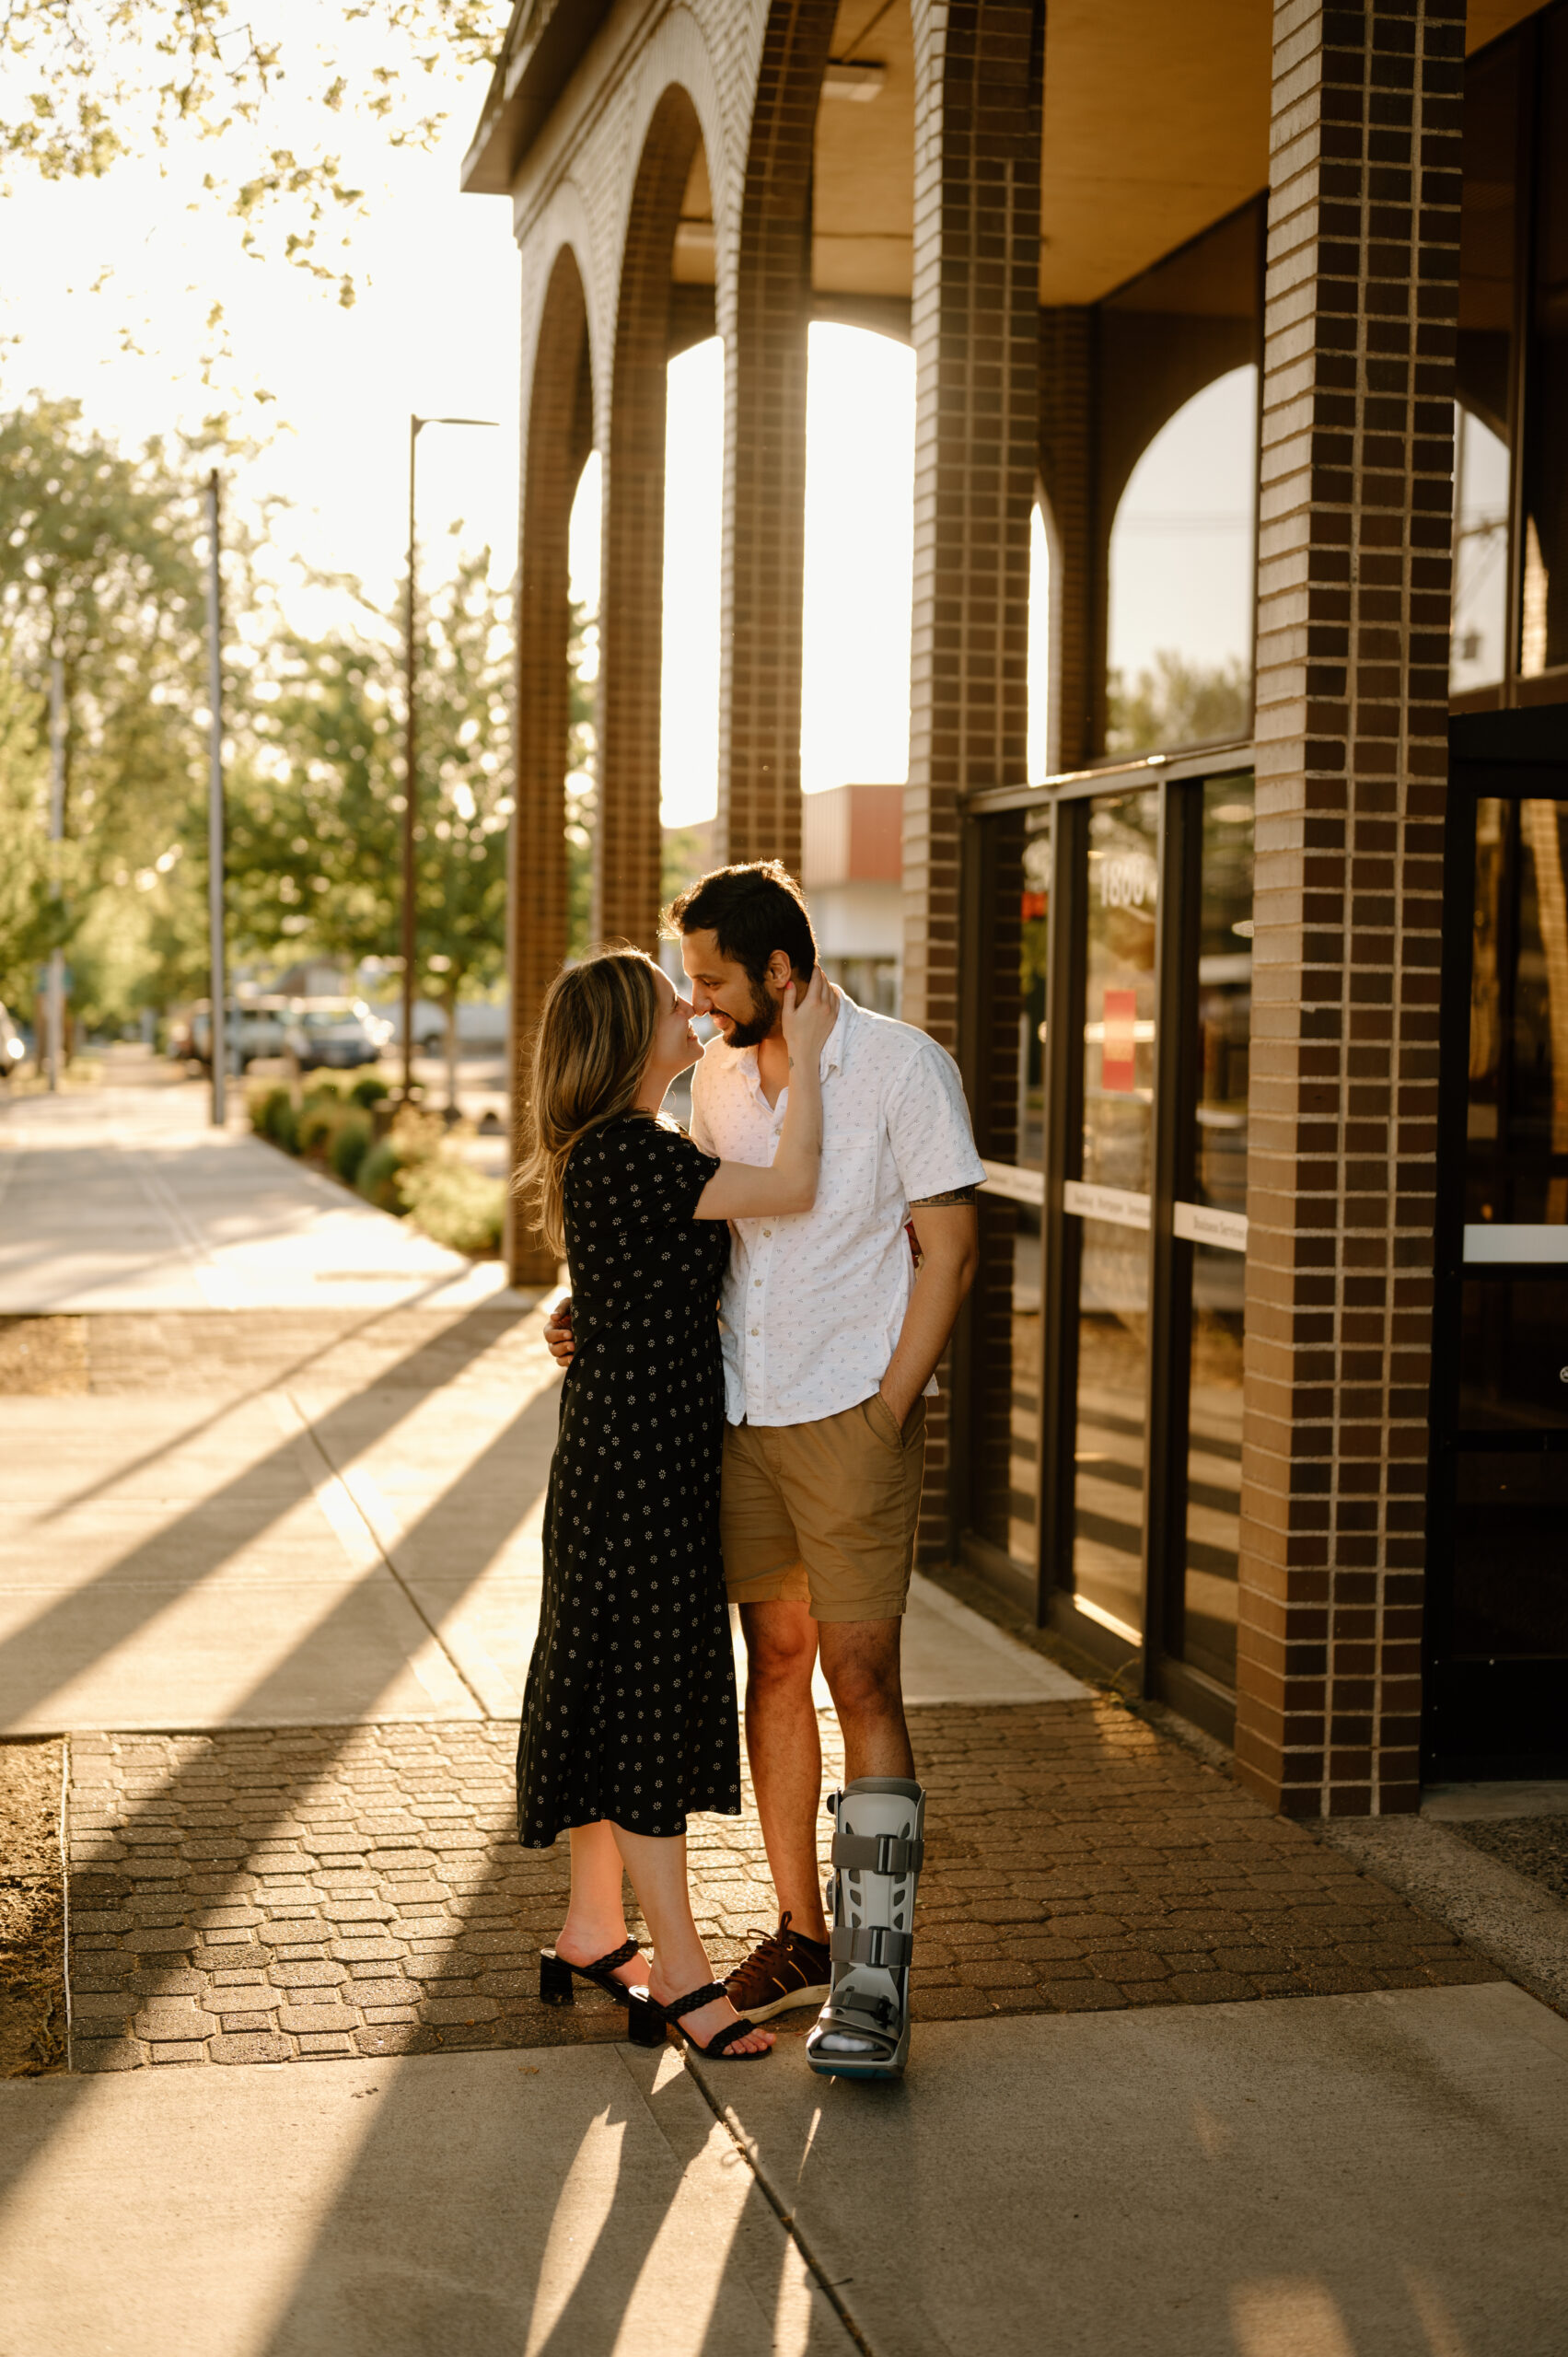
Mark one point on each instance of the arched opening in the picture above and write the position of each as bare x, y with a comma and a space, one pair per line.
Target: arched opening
559, 437
1180, 624
1045, 646
664, 298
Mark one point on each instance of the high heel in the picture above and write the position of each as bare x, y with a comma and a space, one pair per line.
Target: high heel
647, 2021
558, 1976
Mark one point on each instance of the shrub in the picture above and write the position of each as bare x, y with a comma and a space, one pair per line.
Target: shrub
368, 1090
456, 1205
283, 1129
263, 1104
378, 1180
349, 1145
319, 1120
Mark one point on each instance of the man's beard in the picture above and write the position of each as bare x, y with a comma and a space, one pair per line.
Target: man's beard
764, 1015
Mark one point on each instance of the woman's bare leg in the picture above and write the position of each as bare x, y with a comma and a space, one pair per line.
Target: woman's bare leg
595, 1912
657, 1869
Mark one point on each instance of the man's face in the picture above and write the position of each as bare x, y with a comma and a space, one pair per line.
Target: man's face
724, 989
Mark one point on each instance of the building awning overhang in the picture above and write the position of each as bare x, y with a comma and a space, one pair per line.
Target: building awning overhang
545, 42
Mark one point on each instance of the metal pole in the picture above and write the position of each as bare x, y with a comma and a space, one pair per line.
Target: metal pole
55, 997
218, 1028
409, 784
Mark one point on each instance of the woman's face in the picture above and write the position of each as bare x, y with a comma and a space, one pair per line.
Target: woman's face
675, 1043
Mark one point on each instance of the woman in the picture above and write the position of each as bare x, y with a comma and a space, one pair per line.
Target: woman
629, 1718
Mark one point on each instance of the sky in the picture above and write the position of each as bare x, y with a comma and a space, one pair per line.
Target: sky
436, 329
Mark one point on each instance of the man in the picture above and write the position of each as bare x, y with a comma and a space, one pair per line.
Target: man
831, 1336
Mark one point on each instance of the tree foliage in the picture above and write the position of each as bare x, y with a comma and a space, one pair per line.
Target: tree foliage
316, 806
90, 83
1179, 702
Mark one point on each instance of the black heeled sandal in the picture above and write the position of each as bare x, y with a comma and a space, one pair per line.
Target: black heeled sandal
558, 1976
646, 2021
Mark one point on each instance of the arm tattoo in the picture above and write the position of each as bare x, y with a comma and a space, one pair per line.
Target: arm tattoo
953, 1195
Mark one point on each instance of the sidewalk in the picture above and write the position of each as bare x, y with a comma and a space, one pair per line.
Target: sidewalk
273, 1574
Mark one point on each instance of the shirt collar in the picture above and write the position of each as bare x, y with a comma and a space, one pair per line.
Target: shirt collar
744, 1060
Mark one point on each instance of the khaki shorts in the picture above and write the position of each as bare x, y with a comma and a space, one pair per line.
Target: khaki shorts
824, 1513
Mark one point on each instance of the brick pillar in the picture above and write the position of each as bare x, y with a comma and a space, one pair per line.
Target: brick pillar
977, 429
626, 878
557, 435
976, 332
1352, 664
1066, 469
764, 467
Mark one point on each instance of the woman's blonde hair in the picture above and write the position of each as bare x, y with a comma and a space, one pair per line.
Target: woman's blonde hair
595, 1036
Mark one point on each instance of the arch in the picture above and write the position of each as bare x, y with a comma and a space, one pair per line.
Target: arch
626, 866
557, 437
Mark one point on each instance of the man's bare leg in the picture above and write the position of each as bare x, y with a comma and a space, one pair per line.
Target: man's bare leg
786, 1752
860, 1662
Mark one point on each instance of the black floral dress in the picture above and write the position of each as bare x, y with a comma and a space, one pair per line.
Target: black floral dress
629, 1710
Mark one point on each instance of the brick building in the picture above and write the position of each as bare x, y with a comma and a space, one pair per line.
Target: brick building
1261, 998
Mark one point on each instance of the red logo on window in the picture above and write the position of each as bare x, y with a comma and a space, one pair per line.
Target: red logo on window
1119, 1036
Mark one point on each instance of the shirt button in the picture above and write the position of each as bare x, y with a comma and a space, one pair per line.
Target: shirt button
755, 1330
757, 1283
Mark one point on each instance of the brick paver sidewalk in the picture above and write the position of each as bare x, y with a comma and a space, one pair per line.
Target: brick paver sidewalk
283, 1896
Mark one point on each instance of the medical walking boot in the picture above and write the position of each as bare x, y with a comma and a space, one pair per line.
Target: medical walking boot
863, 2030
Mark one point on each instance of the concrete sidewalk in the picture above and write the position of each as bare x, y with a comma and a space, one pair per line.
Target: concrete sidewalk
1369, 2177
127, 1199
276, 1570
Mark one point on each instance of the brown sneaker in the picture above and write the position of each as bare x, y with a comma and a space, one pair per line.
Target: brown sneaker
786, 1968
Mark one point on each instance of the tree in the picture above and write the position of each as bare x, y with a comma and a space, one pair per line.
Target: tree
100, 566
27, 914
1179, 702
316, 830
582, 769
90, 83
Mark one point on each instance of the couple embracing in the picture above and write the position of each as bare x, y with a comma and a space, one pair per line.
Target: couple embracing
749, 1343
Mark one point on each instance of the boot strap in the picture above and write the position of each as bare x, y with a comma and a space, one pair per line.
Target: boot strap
873, 1943
877, 1853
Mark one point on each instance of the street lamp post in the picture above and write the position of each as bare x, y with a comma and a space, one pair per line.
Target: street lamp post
411, 754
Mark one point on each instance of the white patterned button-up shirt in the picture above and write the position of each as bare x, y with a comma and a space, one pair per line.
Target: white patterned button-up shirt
814, 1302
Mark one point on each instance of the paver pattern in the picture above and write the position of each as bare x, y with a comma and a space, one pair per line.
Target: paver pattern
285, 1896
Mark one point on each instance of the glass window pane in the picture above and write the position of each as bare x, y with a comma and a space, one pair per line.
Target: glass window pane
1219, 1176
1543, 621
1510, 1565
1113, 1301
1517, 1122
1004, 1312
1514, 1353
1483, 415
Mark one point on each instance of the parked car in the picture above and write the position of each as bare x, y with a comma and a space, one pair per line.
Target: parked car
338, 1038
13, 1047
482, 1026
251, 1031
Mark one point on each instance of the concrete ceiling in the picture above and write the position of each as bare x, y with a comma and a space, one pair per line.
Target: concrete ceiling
1157, 124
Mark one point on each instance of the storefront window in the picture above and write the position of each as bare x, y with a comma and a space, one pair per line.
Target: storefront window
1484, 376
1110, 1200
1543, 618
1214, 1222
1517, 1203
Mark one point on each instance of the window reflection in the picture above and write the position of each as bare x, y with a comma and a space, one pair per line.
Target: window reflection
1484, 371
1543, 621
1219, 1177
1112, 1199
1517, 1124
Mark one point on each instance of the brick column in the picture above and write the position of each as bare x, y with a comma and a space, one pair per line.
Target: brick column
626, 874
764, 467
977, 428
1067, 472
976, 332
1353, 661
557, 436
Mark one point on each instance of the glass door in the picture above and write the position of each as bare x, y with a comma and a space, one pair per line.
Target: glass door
1497, 1624
1106, 1197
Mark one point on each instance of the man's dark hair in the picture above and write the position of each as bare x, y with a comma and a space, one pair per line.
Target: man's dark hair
750, 910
